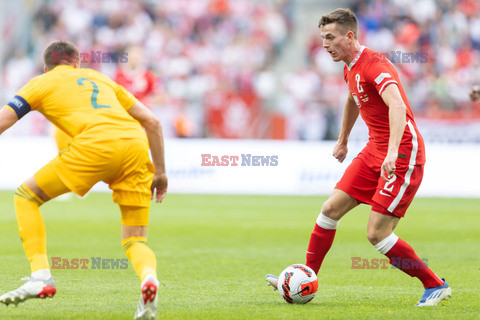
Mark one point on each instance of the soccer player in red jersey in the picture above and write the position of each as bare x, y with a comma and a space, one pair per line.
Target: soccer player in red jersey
387, 173
136, 77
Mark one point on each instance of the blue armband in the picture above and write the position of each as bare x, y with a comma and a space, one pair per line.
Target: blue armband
20, 106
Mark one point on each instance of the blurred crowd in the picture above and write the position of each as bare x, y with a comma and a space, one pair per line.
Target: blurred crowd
197, 64
445, 34
210, 68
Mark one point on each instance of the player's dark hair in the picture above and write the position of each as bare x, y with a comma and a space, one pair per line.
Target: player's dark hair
60, 52
344, 19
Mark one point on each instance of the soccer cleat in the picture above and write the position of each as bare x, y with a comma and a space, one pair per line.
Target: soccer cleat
147, 306
272, 281
433, 296
33, 288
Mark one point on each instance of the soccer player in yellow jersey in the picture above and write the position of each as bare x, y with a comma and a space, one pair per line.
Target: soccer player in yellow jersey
108, 144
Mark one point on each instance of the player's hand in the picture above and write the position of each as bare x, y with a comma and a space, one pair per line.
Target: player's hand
388, 165
159, 187
340, 151
475, 93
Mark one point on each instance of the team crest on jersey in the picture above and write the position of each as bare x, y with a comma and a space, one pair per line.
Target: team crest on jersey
354, 95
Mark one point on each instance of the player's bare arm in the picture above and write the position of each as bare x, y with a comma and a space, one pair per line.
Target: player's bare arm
475, 93
153, 129
397, 118
350, 115
7, 119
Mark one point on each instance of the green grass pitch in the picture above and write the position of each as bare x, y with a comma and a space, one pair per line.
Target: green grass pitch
214, 251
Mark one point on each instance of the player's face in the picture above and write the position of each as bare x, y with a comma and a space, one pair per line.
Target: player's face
335, 42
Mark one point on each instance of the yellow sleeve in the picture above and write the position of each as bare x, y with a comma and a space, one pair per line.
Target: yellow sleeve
126, 99
8, 107
28, 98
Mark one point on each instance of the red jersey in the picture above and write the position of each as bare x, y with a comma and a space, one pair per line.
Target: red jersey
141, 83
367, 76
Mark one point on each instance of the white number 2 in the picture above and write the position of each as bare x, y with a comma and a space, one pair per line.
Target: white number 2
389, 184
359, 87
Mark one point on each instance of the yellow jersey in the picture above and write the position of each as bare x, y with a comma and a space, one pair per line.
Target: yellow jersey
83, 103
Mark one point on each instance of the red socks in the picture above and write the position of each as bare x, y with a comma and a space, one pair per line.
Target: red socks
403, 257
400, 253
320, 241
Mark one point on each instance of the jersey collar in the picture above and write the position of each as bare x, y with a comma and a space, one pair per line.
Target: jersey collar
63, 66
356, 58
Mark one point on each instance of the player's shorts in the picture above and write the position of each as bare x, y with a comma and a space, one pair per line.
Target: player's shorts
124, 164
362, 181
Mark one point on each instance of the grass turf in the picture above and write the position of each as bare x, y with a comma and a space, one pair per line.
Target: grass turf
214, 251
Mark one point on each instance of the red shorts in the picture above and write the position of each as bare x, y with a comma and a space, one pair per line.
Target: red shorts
362, 181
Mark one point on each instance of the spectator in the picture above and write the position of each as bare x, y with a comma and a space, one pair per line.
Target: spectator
186, 43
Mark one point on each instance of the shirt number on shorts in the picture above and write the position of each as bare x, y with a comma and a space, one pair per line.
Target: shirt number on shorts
93, 99
389, 184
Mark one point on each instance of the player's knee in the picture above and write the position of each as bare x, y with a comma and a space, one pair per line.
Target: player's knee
131, 242
330, 211
23, 194
374, 236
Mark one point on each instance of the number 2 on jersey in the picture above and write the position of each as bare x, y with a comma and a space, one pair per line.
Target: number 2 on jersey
359, 87
93, 99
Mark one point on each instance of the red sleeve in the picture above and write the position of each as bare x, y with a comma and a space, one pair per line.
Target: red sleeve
120, 77
381, 74
152, 83
345, 73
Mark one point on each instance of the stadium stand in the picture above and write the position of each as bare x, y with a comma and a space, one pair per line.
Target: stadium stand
255, 69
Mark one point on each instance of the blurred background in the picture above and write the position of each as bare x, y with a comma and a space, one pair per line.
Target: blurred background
251, 69
233, 77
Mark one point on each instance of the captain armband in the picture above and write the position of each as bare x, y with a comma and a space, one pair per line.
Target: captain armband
20, 106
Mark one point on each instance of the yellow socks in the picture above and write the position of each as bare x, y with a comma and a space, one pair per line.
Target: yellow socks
32, 231
142, 257
31, 227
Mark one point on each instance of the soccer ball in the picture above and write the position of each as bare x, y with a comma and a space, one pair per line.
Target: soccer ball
297, 284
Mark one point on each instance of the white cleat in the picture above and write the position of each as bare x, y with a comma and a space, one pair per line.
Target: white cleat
147, 306
272, 281
33, 288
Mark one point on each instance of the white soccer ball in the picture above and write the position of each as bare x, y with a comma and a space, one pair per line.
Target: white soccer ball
297, 284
